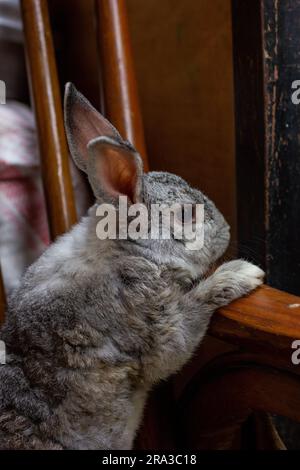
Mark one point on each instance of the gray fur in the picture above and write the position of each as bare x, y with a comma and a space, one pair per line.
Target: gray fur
95, 324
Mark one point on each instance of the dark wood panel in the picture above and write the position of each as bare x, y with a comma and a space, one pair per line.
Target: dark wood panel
267, 60
250, 129
282, 67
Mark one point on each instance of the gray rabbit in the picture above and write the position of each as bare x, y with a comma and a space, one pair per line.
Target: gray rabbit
96, 323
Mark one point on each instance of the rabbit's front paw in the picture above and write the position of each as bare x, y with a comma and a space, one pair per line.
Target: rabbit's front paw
235, 279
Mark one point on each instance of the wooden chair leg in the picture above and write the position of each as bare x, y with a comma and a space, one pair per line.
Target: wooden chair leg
117, 73
266, 433
217, 403
46, 99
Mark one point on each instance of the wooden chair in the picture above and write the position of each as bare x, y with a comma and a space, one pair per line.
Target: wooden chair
206, 406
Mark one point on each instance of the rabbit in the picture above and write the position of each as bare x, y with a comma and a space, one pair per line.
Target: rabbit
95, 324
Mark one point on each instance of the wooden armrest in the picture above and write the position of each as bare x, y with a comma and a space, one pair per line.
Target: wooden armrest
267, 319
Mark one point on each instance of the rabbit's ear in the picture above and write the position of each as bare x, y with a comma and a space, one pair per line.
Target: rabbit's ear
83, 124
114, 169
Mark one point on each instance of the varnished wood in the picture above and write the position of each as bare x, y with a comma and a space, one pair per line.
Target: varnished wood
117, 73
75, 45
220, 400
2, 299
48, 111
266, 320
183, 59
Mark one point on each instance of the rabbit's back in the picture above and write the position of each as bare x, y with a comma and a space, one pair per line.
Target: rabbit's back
76, 332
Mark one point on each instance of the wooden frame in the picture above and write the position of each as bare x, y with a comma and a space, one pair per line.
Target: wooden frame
268, 320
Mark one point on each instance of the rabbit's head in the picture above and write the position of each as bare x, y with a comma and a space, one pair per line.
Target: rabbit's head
114, 169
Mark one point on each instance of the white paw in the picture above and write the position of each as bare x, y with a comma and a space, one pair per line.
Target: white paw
244, 270
235, 279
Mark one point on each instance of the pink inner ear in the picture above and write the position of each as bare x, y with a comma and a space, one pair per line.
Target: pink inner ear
87, 125
117, 172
